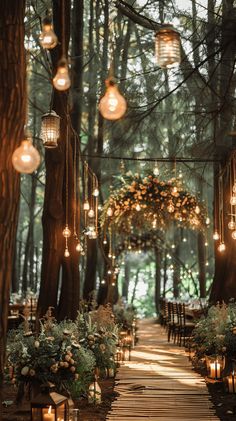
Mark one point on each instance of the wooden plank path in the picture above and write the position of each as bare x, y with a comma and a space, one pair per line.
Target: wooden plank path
159, 384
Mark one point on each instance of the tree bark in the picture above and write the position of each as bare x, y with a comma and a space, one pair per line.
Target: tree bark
12, 120
158, 258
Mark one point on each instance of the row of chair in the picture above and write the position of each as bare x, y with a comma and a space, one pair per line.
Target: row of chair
173, 318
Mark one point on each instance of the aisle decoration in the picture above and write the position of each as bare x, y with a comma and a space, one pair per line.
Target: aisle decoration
148, 202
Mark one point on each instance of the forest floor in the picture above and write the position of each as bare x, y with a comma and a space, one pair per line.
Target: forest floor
87, 412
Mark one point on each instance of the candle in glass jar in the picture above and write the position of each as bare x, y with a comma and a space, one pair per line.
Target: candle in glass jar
49, 416
231, 383
215, 370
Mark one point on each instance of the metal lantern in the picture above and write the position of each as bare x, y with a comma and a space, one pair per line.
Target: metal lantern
50, 129
167, 45
49, 405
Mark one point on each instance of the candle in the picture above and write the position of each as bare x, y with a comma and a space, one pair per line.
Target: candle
49, 416
231, 383
215, 370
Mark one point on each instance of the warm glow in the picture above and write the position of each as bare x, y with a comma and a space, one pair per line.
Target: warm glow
216, 236
96, 192
171, 207
86, 205
62, 80
167, 46
67, 253
197, 210
79, 247
138, 207
91, 213
233, 200
109, 211
47, 38
25, 158
221, 247
234, 235
156, 171
112, 105
231, 225
66, 232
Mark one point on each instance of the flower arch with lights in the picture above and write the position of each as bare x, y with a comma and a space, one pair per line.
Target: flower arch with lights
145, 203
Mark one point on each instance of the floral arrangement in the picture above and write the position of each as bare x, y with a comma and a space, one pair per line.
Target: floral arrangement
53, 355
100, 335
65, 354
216, 333
148, 202
124, 316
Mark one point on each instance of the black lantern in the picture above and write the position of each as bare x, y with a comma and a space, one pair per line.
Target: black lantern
49, 405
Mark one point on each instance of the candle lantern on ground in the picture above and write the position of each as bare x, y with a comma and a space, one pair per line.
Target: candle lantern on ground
167, 46
50, 129
231, 383
49, 405
215, 366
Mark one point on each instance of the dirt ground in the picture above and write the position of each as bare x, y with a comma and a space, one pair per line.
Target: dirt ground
13, 412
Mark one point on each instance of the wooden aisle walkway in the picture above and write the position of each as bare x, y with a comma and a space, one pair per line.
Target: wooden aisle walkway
158, 384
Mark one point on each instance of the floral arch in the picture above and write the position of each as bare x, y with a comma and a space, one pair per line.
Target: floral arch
147, 203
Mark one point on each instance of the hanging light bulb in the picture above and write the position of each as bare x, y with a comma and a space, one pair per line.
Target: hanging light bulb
233, 200
50, 129
109, 211
103, 281
91, 213
96, 192
47, 38
104, 241
154, 223
79, 247
231, 225
221, 247
25, 158
216, 236
112, 105
138, 207
66, 232
234, 235
86, 205
171, 207
66, 253
206, 244
208, 221
156, 171
167, 47
62, 80
197, 210
207, 263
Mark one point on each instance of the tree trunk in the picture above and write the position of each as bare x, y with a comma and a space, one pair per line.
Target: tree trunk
12, 119
125, 284
202, 263
54, 263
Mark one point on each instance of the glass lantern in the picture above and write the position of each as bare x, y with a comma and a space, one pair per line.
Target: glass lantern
50, 129
231, 383
215, 366
167, 46
49, 405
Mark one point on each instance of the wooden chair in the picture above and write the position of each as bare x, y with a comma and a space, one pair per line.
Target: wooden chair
185, 326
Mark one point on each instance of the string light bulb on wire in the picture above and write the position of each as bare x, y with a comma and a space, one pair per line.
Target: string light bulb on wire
47, 38
61, 81
167, 47
25, 158
112, 105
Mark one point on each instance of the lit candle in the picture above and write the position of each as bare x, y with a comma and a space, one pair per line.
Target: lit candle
49, 416
231, 383
215, 370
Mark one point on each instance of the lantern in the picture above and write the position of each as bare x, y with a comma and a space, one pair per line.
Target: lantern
221, 247
215, 365
49, 405
231, 383
25, 158
167, 46
94, 393
47, 38
112, 105
216, 236
62, 80
50, 129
